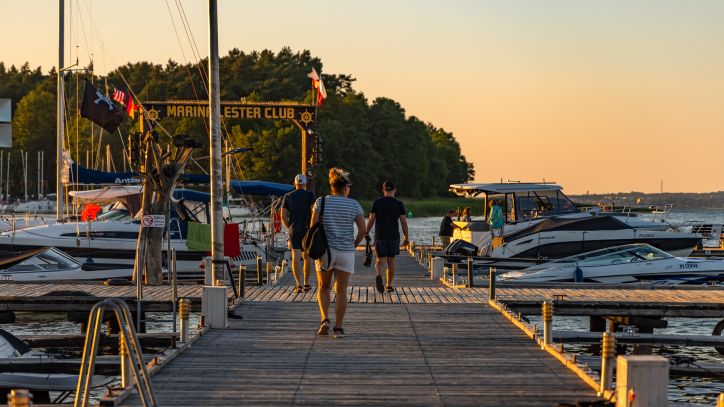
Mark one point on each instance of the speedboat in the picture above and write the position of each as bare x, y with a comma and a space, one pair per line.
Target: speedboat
542, 222
50, 264
631, 263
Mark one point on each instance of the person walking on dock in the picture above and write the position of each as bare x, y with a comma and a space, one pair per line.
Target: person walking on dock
296, 213
341, 214
386, 215
446, 228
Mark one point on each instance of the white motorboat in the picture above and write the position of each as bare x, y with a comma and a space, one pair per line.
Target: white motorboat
50, 264
542, 222
45, 205
631, 263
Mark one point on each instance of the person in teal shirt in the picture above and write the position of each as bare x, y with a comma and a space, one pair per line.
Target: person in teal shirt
496, 219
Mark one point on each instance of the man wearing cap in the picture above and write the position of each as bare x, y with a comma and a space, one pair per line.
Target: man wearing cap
386, 214
446, 228
296, 214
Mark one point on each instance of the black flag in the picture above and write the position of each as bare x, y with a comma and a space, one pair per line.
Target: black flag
100, 109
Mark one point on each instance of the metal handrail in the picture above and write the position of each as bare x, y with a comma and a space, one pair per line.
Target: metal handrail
132, 344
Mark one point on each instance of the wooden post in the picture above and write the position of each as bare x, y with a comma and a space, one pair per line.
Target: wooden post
268, 272
242, 277
491, 285
258, 270
183, 312
608, 346
471, 284
20, 398
126, 372
641, 380
454, 272
547, 322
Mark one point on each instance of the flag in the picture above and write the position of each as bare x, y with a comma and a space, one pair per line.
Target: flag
100, 109
319, 85
126, 99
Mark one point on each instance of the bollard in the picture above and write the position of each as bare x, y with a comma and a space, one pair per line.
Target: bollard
20, 398
608, 350
491, 285
284, 267
470, 273
547, 322
183, 312
126, 372
720, 400
643, 378
242, 277
258, 270
269, 267
454, 271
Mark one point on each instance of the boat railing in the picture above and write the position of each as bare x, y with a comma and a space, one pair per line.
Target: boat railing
129, 343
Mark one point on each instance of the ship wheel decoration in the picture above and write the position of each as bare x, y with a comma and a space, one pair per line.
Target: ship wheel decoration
306, 117
152, 114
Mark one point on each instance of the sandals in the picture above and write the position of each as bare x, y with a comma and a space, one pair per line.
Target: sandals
338, 332
306, 287
324, 328
297, 290
390, 289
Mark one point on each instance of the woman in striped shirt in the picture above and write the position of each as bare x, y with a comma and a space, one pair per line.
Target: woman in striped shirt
340, 215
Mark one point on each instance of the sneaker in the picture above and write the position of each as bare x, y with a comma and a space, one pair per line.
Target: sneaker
390, 289
338, 332
380, 284
324, 328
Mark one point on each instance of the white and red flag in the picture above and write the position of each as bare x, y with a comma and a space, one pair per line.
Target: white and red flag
318, 85
126, 100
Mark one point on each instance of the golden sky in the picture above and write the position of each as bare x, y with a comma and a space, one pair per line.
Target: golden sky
599, 96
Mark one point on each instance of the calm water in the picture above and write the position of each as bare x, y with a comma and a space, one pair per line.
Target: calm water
682, 391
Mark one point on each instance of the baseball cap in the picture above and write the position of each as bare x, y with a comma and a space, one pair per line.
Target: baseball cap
300, 179
388, 185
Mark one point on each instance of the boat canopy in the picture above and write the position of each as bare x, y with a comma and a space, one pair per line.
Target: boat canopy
501, 188
87, 176
107, 194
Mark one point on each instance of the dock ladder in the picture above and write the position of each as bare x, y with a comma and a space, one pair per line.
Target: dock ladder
131, 342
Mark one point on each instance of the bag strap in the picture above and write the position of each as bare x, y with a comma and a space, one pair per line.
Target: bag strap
321, 225
321, 210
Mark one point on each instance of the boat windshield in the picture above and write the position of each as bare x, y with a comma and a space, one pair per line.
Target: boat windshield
115, 214
626, 253
536, 204
49, 260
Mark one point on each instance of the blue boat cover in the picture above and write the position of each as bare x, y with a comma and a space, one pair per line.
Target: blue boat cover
94, 177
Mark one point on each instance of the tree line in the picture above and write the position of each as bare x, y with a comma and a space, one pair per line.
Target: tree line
374, 140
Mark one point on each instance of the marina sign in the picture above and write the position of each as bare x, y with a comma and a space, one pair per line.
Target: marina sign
304, 114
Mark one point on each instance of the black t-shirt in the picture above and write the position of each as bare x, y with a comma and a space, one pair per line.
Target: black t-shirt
298, 203
446, 226
387, 212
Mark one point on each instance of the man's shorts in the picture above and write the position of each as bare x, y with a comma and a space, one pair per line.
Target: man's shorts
387, 248
295, 240
340, 260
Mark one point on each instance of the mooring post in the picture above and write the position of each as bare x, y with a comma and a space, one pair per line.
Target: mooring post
641, 380
547, 322
491, 285
720, 400
284, 267
608, 347
242, 277
126, 372
19, 398
269, 267
183, 311
258, 270
470, 272
454, 271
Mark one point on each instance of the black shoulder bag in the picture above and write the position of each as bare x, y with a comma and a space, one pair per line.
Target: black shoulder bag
315, 242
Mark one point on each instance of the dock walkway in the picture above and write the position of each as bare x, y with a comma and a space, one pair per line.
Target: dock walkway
405, 353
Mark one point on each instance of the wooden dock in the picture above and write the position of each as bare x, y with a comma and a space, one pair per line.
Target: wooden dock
425, 345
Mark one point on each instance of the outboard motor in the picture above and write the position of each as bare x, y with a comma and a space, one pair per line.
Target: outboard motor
461, 247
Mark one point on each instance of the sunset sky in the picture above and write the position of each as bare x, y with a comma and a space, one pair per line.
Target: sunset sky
599, 96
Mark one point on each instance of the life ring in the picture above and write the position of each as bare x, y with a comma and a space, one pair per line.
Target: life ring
717, 332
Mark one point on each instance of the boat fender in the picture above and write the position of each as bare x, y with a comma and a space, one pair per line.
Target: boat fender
578, 275
717, 332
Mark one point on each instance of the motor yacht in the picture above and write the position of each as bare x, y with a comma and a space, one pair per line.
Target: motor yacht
632, 263
50, 264
542, 222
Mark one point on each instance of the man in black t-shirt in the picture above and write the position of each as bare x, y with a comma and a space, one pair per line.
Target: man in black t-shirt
296, 215
385, 215
446, 228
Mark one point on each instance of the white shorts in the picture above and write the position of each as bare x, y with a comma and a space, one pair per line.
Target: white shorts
340, 260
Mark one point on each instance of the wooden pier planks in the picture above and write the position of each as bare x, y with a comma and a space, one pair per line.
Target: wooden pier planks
394, 355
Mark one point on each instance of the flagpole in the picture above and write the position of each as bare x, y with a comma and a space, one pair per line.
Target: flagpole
217, 226
59, 194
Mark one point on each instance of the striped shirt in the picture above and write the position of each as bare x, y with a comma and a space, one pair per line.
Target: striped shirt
339, 215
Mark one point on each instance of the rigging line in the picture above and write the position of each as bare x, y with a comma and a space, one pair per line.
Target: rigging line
194, 47
82, 26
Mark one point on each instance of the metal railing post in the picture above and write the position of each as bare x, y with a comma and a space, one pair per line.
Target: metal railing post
269, 267
608, 346
470, 273
491, 285
125, 361
547, 322
454, 271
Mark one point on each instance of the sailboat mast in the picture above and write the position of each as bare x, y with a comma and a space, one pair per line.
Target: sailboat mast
60, 113
217, 226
